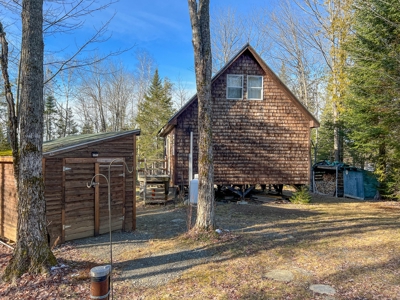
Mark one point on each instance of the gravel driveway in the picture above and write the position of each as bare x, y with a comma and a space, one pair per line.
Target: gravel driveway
153, 222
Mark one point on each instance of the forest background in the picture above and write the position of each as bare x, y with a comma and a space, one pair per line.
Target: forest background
339, 57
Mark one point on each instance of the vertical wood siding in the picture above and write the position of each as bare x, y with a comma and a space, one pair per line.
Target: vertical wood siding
60, 187
8, 200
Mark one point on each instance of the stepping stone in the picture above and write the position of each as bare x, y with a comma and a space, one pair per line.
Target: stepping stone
323, 289
302, 271
280, 275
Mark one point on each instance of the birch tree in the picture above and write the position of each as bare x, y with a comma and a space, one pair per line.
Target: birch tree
32, 252
103, 96
92, 98
228, 33
180, 92
333, 19
199, 12
67, 84
119, 93
302, 63
231, 30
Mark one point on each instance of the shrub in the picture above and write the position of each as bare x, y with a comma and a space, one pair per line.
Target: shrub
302, 196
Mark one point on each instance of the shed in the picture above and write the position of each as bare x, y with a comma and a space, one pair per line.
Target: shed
327, 178
341, 180
72, 209
359, 184
261, 131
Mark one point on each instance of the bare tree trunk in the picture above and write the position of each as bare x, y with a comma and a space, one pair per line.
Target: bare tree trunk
337, 137
200, 20
12, 114
32, 252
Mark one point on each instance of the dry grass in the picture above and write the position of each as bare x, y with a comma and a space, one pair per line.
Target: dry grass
352, 246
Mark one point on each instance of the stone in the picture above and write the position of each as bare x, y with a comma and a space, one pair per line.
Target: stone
242, 202
280, 275
323, 289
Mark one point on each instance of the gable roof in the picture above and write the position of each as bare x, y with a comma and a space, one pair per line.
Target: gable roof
313, 121
73, 142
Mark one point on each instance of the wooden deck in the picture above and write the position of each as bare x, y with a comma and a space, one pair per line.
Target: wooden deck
154, 181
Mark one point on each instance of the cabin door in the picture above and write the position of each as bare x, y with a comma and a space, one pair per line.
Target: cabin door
85, 210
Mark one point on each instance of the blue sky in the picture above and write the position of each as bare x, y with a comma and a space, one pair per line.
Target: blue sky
160, 27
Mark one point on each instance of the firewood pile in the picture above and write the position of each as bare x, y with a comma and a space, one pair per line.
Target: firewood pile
327, 185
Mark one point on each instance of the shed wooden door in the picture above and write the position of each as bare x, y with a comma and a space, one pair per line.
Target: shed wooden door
85, 210
78, 213
117, 193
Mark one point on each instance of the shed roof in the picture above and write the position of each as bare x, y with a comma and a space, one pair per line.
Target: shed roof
72, 142
313, 121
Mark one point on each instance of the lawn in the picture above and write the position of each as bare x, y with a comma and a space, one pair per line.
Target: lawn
350, 245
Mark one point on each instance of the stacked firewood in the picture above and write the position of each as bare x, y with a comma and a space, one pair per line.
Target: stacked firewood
327, 185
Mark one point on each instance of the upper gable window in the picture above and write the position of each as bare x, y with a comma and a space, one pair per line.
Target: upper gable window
254, 87
234, 87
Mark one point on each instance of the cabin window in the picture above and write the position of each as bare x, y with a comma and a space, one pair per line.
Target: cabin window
234, 87
254, 87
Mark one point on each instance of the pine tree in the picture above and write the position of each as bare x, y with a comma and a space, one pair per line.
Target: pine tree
49, 117
325, 136
71, 126
153, 112
65, 122
372, 107
87, 128
283, 75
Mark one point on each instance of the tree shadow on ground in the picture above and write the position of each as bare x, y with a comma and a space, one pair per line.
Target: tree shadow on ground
259, 227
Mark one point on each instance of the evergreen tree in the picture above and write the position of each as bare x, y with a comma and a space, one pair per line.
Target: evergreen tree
87, 128
49, 117
372, 106
340, 18
153, 112
326, 136
72, 127
65, 123
283, 75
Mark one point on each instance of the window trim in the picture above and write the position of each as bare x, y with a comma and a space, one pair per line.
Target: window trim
227, 86
262, 87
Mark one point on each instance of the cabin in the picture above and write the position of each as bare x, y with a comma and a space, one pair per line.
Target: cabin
76, 172
261, 131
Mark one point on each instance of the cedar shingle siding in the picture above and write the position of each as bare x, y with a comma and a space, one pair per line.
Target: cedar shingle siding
255, 141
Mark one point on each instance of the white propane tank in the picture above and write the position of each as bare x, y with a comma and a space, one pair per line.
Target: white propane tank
194, 189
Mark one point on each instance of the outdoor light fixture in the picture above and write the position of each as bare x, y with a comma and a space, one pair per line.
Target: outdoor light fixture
95, 154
